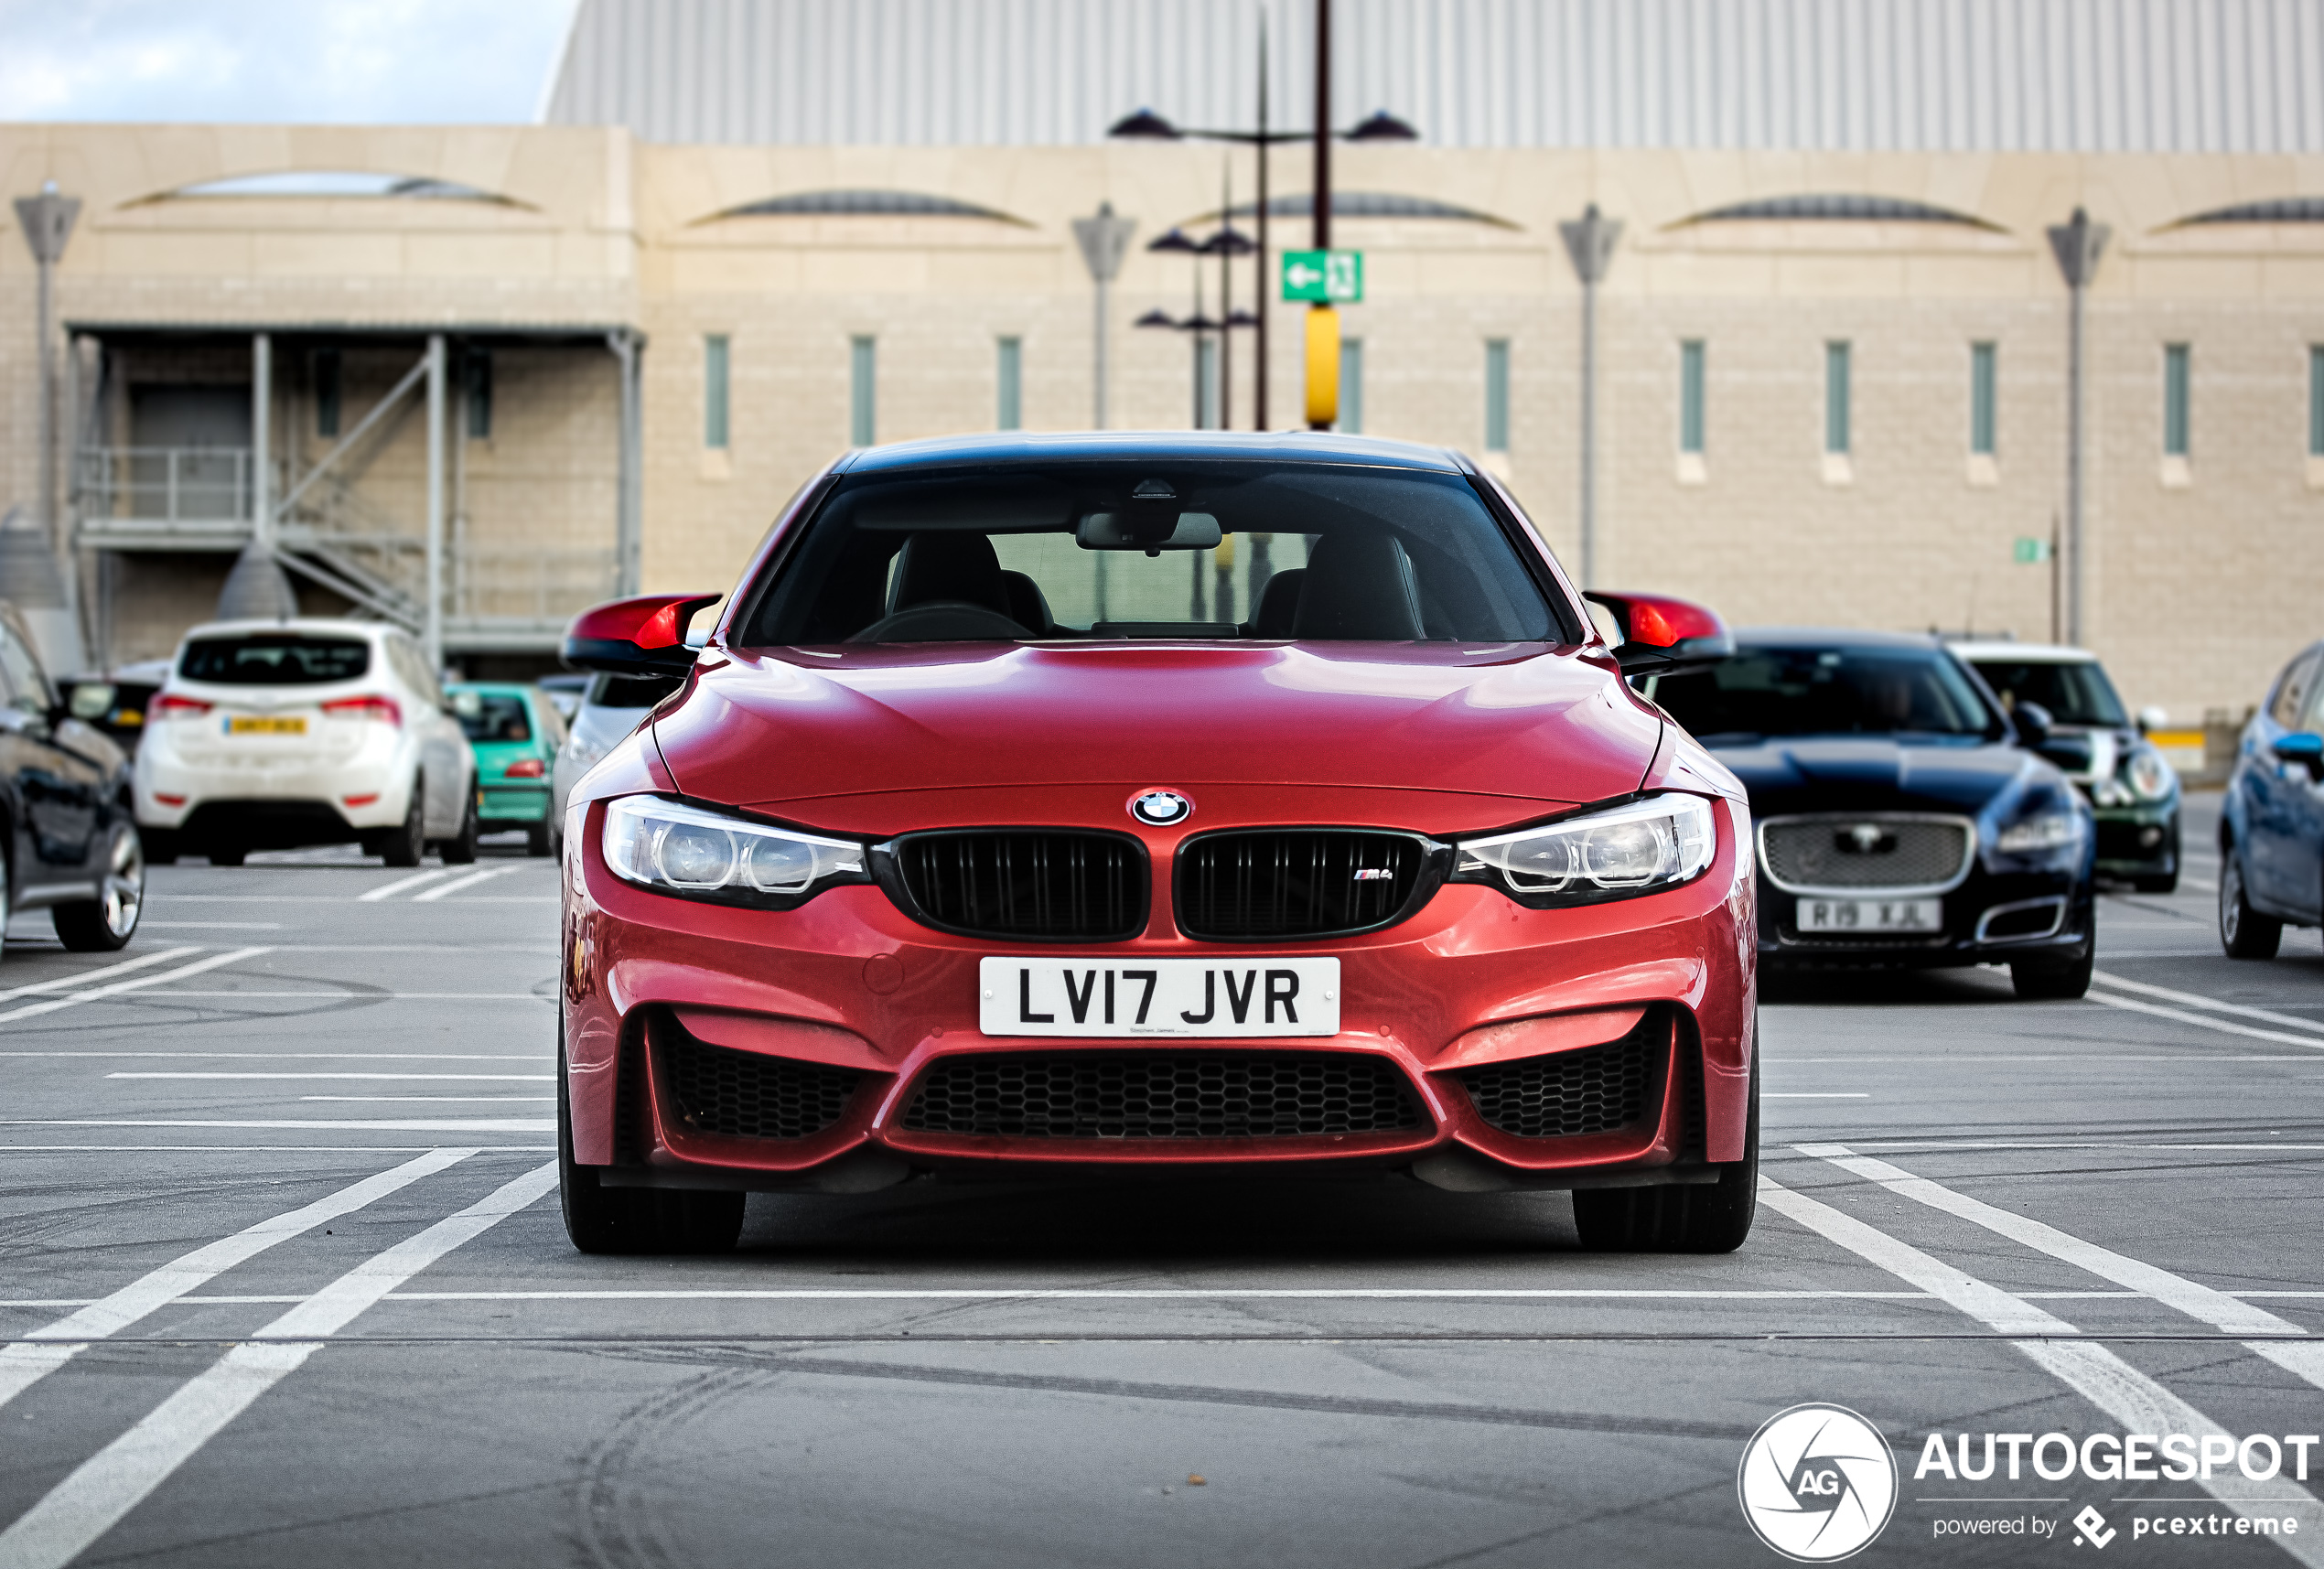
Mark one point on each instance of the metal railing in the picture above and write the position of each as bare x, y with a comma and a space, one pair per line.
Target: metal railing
201, 491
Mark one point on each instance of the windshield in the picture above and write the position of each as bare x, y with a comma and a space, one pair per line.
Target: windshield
2077, 693
493, 717
1278, 550
274, 658
1767, 692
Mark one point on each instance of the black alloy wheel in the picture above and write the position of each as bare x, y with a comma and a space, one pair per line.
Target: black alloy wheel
106, 923
405, 845
1709, 1217
601, 1220
2054, 979
2243, 931
460, 849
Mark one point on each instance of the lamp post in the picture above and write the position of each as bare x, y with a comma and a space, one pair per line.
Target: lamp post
47, 220
2077, 243
1145, 124
1103, 240
1589, 242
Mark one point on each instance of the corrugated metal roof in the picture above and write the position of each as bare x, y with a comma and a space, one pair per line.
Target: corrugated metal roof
2176, 76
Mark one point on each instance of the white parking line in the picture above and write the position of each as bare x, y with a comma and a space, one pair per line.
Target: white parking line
39, 1353
2216, 1308
389, 890
2181, 1015
95, 994
211, 926
2092, 1371
471, 880
106, 1487
521, 1078
372, 996
1815, 1095
323, 1055
437, 1100
2197, 1000
86, 976
446, 1125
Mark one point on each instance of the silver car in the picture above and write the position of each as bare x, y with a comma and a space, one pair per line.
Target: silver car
612, 707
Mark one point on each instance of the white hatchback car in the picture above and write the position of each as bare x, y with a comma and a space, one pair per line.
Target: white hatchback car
272, 735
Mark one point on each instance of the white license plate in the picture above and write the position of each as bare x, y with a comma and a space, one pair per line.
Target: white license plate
1872, 915
1100, 998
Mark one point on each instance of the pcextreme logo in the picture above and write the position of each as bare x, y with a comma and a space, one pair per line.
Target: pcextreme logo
1817, 1483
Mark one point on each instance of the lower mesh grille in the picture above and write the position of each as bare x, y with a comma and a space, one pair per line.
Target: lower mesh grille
1164, 1095
1593, 1091
1834, 850
745, 1095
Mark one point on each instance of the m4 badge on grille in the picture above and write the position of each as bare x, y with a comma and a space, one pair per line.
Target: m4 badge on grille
1373, 874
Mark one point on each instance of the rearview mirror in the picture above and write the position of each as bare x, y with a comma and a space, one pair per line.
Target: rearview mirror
1121, 531
2303, 747
1661, 636
645, 636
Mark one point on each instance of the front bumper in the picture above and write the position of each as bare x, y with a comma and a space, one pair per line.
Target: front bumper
1990, 918
503, 803
365, 793
2138, 841
714, 1046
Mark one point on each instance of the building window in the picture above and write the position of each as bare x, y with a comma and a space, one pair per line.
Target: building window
1836, 397
2316, 401
1497, 394
327, 372
2175, 393
1351, 385
476, 391
1982, 363
1690, 396
1010, 415
716, 381
862, 368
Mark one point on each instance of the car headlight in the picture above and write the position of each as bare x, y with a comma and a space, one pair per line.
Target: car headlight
583, 753
2150, 776
674, 848
2050, 831
1640, 847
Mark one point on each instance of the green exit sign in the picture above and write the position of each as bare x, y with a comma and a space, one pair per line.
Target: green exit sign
2031, 552
1334, 277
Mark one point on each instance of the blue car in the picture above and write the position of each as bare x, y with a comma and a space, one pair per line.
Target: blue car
2271, 826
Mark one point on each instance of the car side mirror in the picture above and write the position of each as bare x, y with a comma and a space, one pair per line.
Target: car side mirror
91, 700
645, 636
2033, 722
2305, 748
2151, 719
1661, 636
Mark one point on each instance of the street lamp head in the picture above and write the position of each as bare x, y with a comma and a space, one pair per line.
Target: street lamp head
1229, 241
1238, 316
1145, 123
1177, 242
1156, 318
1383, 127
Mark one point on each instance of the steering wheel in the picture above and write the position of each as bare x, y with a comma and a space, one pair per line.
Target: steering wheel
942, 622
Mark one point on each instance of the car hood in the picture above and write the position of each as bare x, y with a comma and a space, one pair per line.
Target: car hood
1874, 773
1530, 729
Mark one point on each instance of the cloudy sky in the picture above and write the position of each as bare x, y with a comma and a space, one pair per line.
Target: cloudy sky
301, 60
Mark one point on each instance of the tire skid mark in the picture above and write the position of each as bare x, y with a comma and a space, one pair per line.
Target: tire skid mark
620, 1499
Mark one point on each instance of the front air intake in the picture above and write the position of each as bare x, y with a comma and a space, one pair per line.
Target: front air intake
1163, 1095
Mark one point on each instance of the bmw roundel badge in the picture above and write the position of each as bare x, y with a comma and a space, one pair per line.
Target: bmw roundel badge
1161, 808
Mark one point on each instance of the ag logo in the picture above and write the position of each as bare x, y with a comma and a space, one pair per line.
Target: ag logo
1817, 1483
1161, 808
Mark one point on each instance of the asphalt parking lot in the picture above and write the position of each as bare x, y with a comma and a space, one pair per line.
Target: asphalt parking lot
282, 1268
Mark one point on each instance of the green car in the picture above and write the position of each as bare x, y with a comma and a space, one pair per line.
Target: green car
516, 732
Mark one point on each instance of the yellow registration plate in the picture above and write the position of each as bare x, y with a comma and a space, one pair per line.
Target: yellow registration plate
266, 726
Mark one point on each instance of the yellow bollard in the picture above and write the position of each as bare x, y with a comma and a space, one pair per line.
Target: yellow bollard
1323, 367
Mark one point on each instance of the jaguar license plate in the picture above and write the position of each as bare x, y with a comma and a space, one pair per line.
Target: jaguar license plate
1113, 998
264, 725
1872, 915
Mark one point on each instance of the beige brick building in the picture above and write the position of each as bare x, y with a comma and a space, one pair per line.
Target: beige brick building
887, 280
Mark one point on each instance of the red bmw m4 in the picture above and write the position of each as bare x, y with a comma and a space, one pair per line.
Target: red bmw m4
995, 829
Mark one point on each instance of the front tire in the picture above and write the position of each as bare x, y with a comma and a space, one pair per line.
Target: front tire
2054, 979
405, 845
600, 1219
2243, 932
106, 923
539, 840
1714, 1218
